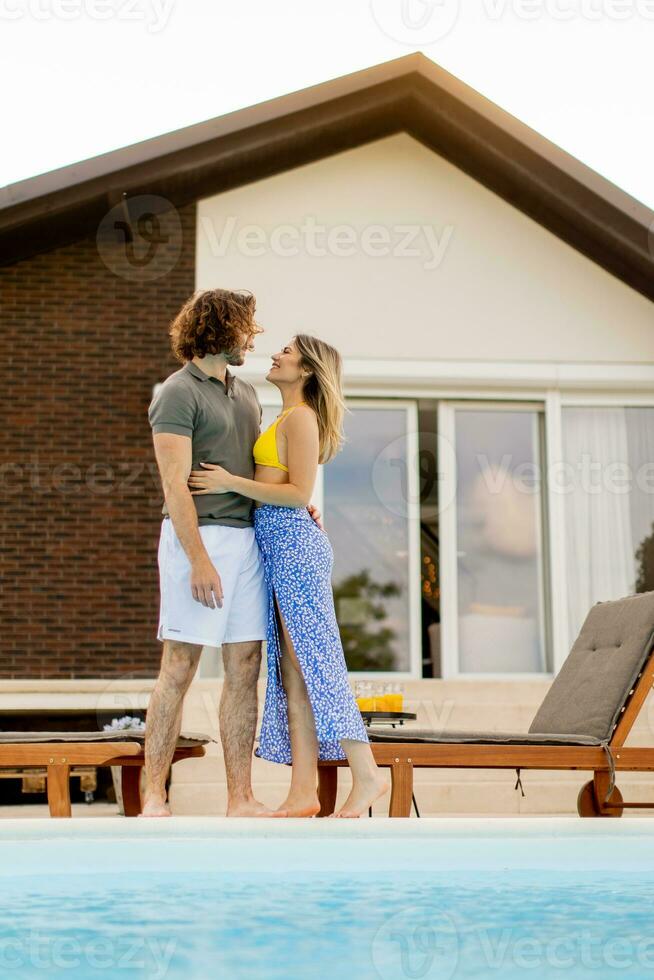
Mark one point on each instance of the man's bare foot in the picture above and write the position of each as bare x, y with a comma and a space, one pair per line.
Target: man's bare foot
363, 795
155, 808
252, 808
307, 806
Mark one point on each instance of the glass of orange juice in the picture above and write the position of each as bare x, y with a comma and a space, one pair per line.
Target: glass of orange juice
377, 695
381, 699
394, 697
363, 693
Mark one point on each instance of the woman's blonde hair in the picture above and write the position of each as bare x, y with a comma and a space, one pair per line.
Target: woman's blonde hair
323, 391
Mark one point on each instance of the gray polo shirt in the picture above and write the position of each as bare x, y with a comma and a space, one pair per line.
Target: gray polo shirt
223, 422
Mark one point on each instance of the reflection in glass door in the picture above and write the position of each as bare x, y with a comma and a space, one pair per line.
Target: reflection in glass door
494, 596
371, 511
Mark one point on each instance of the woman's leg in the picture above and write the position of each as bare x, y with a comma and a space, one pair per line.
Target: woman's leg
368, 782
302, 799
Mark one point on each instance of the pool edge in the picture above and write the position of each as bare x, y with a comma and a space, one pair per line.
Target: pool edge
431, 828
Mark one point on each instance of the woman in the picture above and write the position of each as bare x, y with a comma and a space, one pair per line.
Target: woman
310, 712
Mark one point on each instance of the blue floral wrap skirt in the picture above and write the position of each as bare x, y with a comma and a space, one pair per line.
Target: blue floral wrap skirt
298, 561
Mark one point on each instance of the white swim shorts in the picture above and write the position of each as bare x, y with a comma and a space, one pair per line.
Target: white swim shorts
244, 614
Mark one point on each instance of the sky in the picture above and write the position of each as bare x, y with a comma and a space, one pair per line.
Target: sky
81, 77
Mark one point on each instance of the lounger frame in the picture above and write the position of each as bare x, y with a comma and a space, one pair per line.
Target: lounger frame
403, 757
59, 757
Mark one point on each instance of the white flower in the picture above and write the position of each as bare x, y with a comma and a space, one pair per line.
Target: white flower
127, 721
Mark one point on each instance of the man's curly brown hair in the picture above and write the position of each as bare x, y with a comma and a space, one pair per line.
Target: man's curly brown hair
213, 321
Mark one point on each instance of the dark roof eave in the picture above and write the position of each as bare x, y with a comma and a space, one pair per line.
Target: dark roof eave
410, 94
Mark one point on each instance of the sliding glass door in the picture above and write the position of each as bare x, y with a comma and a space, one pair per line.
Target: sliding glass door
369, 499
371, 505
493, 572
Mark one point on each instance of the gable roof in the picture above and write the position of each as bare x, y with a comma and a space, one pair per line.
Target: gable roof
410, 94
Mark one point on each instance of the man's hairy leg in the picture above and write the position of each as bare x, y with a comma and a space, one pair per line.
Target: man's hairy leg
238, 721
179, 663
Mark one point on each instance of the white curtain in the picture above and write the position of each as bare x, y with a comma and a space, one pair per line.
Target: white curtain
640, 433
599, 540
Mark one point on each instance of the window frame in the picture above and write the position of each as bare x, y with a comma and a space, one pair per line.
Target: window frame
270, 398
448, 585
410, 405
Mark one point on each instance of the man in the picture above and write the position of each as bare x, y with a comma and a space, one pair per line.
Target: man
213, 589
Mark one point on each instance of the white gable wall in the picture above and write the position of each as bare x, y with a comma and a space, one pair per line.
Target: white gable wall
504, 288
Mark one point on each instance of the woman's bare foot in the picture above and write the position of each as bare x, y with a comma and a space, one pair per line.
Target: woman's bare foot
363, 795
295, 806
155, 808
252, 808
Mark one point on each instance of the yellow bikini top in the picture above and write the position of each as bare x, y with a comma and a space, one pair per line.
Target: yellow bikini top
265, 448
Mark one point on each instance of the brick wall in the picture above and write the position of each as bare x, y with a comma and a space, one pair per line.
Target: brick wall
84, 340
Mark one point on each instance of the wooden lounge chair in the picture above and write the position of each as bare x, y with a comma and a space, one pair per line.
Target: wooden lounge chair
582, 723
58, 751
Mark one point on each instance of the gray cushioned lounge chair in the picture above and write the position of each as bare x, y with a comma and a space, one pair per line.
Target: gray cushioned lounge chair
582, 723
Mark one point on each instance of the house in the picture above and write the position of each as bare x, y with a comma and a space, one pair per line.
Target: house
492, 298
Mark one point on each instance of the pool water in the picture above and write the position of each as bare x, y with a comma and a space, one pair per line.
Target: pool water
328, 926
452, 918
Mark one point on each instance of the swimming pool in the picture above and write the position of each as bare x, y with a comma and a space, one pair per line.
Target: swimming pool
201, 898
